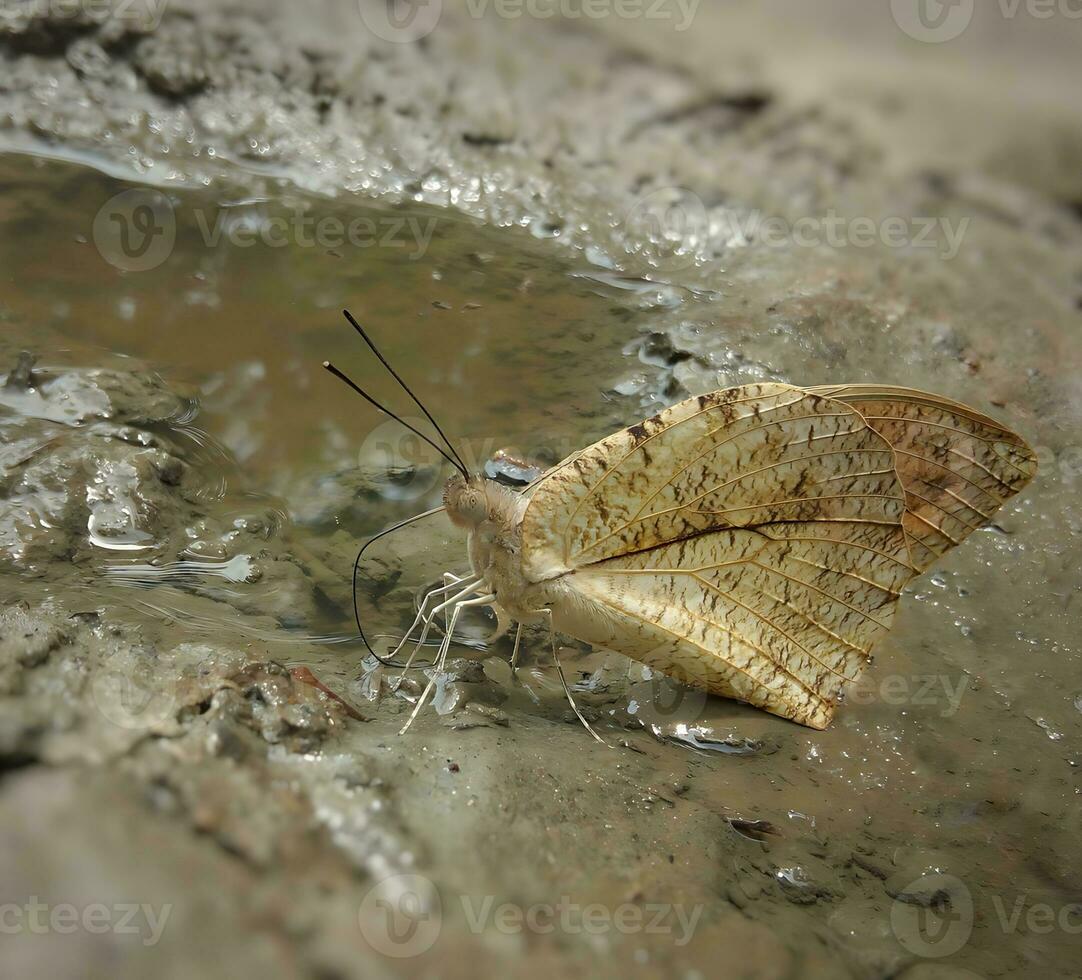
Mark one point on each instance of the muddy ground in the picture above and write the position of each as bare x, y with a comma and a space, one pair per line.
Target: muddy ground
578, 220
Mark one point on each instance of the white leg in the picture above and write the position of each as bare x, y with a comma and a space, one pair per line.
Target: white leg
421, 613
518, 643
449, 578
441, 657
457, 597
563, 680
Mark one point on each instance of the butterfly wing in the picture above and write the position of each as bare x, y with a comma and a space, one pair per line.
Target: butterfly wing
752, 539
958, 467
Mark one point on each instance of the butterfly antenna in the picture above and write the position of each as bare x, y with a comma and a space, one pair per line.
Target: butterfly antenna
356, 568
406, 388
454, 461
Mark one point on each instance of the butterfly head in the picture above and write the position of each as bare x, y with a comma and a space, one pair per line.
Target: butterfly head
466, 501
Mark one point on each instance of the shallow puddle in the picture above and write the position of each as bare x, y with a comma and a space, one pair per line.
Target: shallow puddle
242, 302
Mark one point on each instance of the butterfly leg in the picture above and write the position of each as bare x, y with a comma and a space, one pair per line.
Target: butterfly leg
450, 579
441, 657
421, 613
518, 644
563, 680
428, 620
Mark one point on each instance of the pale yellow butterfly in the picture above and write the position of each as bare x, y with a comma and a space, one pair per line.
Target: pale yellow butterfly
754, 539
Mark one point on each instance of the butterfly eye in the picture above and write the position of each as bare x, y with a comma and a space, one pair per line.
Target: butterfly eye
474, 506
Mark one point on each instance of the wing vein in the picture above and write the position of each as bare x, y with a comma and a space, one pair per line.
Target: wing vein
968, 459
829, 595
815, 623
934, 527
615, 466
942, 510
950, 428
851, 544
943, 466
637, 519
715, 653
805, 500
838, 571
769, 622
962, 500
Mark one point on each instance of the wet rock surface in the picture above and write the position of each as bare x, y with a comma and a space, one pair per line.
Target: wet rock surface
164, 587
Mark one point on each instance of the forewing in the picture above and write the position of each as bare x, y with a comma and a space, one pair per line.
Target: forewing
740, 458
956, 465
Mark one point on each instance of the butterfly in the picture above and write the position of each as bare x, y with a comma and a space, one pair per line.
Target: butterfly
755, 540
